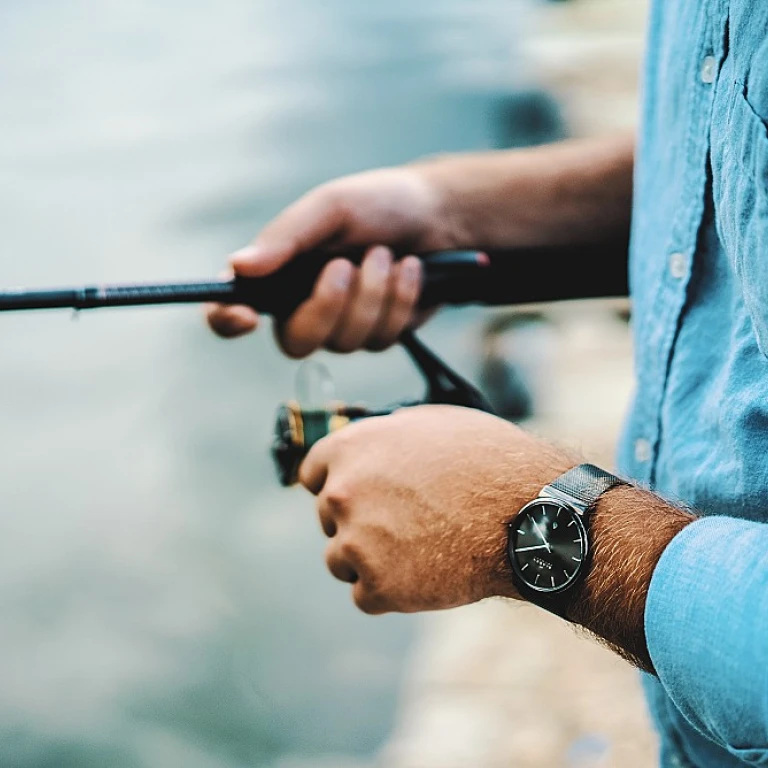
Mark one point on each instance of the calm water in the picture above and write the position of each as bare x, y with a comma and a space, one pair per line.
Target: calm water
163, 601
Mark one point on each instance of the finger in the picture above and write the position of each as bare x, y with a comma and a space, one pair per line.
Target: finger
326, 513
367, 600
337, 560
313, 322
313, 471
366, 302
230, 321
399, 312
311, 221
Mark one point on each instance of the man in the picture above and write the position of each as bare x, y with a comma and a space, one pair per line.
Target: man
423, 508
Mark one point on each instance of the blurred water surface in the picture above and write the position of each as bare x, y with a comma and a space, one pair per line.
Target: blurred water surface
162, 601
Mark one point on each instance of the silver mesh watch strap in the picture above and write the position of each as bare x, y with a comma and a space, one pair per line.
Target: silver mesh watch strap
582, 485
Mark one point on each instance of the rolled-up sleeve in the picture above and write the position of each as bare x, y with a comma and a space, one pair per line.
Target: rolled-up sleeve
706, 621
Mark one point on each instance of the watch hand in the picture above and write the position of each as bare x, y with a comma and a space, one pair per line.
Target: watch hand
528, 549
538, 530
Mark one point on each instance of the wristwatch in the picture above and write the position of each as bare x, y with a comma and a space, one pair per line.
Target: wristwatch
548, 542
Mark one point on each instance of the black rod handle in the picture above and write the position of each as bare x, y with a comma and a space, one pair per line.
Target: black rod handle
533, 275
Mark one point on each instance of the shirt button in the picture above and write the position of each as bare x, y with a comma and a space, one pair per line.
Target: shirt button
642, 450
677, 265
708, 69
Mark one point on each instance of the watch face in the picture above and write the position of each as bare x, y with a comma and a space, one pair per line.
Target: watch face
547, 545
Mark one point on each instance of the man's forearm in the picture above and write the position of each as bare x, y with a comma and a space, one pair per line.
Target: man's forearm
567, 193
631, 528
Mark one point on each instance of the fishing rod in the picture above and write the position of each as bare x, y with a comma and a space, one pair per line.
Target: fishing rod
490, 278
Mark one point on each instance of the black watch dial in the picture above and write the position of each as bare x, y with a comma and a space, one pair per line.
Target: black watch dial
547, 545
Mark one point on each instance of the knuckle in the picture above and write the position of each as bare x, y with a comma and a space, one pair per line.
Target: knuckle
327, 522
331, 557
305, 475
327, 202
367, 600
351, 552
336, 197
337, 495
295, 243
337, 569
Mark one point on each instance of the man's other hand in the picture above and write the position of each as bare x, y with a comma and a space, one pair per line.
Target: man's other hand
416, 504
352, 307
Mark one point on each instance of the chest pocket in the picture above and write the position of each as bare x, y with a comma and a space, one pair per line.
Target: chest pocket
740, 188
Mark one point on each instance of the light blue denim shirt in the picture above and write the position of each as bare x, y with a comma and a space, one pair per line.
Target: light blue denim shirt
698, 428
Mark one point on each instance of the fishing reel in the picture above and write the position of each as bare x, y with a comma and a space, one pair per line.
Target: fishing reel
300, 424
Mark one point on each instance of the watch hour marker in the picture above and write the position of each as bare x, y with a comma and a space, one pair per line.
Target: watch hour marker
567, 575
553, 581
537, 578
525, 566
573, 522
577, 559
577, 541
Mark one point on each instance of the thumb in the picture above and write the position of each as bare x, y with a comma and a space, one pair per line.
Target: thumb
307, 224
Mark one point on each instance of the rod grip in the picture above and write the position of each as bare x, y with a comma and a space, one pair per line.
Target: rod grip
493, 278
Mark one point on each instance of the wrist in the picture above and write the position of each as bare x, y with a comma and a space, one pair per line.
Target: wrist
619, 536
479, 197
451, 224
630, 529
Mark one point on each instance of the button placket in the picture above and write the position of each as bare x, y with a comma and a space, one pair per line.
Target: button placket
659, 318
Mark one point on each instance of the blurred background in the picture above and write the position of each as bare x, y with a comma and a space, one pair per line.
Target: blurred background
163, 602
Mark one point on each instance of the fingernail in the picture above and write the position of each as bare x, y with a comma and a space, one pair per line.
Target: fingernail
382, 260
343, 278
412, 271
248, 254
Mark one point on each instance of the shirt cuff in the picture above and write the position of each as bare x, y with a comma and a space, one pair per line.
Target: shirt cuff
706, 623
